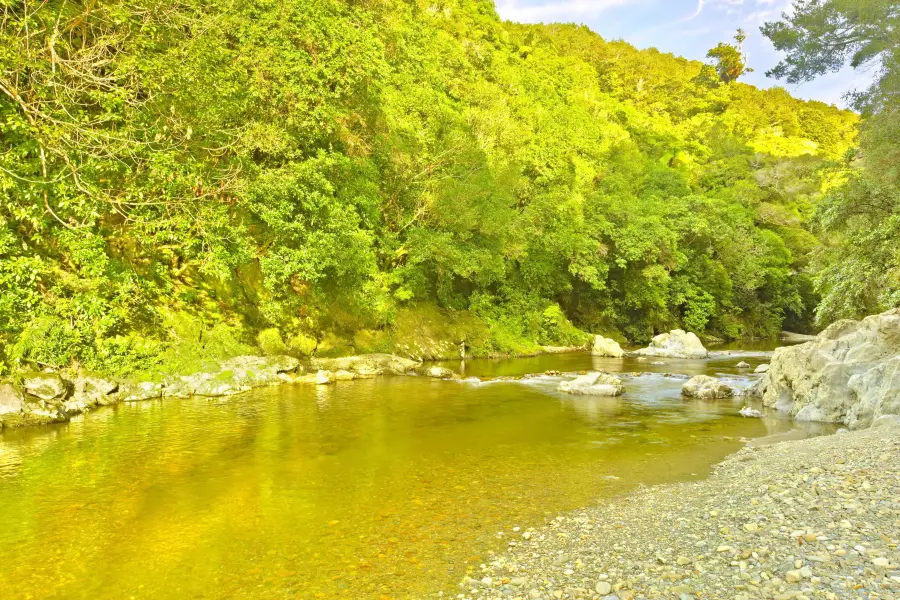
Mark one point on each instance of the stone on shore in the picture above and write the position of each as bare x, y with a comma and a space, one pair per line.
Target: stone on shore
704, 387
12, 403
368, 364
324, 377
91, 389
46, 386
234, 376
594, 384
675, 344
850, 374
606, 347
814, 518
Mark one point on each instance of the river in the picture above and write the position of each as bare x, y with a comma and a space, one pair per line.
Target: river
386, 489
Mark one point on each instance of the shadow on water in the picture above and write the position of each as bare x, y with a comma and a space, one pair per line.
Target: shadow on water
371, 489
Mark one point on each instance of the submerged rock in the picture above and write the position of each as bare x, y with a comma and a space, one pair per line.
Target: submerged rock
606, 347
704, 387
675, 344
594, 384
850, 374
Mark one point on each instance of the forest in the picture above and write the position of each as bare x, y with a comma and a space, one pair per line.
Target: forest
204, 178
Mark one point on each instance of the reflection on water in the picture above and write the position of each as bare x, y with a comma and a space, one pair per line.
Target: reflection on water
383, 488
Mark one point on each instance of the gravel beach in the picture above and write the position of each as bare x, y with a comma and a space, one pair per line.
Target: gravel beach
816, 518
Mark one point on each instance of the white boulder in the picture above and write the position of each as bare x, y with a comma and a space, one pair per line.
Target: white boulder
594, 384
606, 347
675, 344
850, 374
750, 413
704, 387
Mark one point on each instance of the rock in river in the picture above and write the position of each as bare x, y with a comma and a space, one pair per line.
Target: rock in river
705, 387
850, 374
675, 344
438, 372
606, 347
594, 384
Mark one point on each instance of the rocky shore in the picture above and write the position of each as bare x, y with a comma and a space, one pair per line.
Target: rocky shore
799, 520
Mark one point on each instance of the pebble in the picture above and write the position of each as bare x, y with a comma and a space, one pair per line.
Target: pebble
798, 520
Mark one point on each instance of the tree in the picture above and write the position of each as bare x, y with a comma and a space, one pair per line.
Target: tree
859, 268
730, 60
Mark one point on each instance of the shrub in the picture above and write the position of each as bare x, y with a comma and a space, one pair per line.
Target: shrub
303, 344
270, 342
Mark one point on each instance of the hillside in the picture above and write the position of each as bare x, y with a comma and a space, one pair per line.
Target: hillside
191, 180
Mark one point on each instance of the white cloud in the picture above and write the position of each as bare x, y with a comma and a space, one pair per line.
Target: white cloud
561, 10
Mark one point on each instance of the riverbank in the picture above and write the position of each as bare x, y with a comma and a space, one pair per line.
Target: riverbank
816, 518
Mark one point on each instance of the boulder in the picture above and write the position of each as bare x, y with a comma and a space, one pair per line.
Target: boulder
593, 384
144, 390
345, 376
46, 386
438, 372
761, 369
368, 364
91, 390
750, 413
743, 365
324, 377
675, 344
265, 364
850, 374
12, 401
606, 347
704, 387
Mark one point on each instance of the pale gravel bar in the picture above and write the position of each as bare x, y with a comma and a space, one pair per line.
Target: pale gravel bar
816, 518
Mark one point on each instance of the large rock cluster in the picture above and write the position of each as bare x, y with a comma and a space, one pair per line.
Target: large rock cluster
850, 374
675, 344
48, 398
43, 398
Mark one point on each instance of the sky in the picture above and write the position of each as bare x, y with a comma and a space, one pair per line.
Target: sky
688, 28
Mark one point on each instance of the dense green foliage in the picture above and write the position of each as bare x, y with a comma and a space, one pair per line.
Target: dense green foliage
858, 266
185, 179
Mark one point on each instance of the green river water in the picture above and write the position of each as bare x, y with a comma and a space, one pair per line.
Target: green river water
384, 488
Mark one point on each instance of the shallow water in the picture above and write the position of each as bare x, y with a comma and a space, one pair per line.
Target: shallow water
385, 488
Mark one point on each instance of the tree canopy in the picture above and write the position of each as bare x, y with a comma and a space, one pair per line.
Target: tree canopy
858, 266
338, 173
